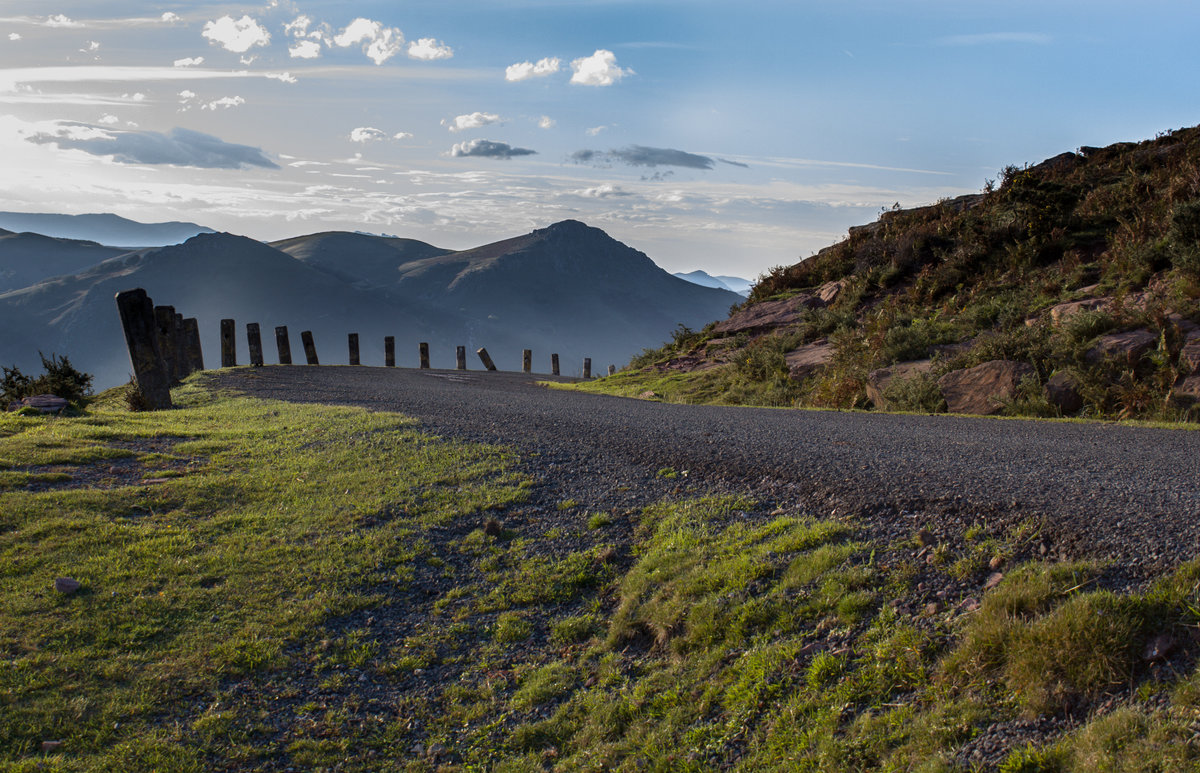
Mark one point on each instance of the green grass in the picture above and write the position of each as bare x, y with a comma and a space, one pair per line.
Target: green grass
312, 590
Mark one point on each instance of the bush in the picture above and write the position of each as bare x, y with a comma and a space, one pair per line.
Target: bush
920, 393
60, 378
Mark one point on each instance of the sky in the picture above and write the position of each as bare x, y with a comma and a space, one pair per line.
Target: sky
728, 137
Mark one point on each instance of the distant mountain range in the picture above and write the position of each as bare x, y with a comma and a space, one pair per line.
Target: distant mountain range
732, 283
567, 288
108, 229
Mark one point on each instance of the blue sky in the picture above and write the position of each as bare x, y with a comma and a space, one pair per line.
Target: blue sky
725, 136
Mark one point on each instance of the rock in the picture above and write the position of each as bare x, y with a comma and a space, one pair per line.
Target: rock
877, 380
996, 563
649, 394
66, 585
932, 608
52, 746
984, 388
1186, 391
492, 528
925, 538
42, 403
769, 314
969, 605
1128, 347
1158, 648
808, 359
1189, 355
1064, 311
993, 580
829, 292
1061, 392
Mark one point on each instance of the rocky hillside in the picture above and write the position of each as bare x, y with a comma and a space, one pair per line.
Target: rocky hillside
1066, 288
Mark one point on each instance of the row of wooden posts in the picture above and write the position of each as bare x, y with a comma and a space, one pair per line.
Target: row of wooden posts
164, 348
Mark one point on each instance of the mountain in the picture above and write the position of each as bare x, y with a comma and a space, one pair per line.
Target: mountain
568, 289
105, 228
1068, 287
704, 279
28, 258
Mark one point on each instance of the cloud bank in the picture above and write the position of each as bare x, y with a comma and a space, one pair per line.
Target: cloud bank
179, 147
489, 149
526, 70
236, 35
474, 120
640, 155
599, 69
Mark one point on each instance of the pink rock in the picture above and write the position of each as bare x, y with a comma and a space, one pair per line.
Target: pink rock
878, 380
1064, 311
1189, 355
769, 314
1128, 347
993, 580
985, 388
829, 292
1186, 391
808, 359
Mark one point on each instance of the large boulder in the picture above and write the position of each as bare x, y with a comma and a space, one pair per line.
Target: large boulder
1062, 392
808, 359
878, 380
769, 315
1127, 347
1064, 311
1186, 391
829, 292
984, 388
1189, 355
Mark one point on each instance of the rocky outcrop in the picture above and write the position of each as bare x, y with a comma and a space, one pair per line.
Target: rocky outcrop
984, 388
1064, 311
1062, 392
829, 292
1186, 392
878, 380
769, 314
1127, 348
806, 360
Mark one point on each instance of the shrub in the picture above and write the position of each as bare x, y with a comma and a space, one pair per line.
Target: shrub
920, 393
60, 378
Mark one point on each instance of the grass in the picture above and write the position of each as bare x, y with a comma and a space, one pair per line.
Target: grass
313, 589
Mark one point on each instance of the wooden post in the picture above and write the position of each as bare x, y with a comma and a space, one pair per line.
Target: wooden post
191, 334
164, 323
460, 357
228, 344
310, 347
526, 360
587, 367
353, 339
389, 351
486, 359
424, 350
254, 343
141, 336
281, 343
612, 369
183, 366
554, 364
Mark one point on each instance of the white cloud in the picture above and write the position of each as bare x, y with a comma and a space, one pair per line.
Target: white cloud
14, 36
592, 132
546, 122
187, 94
367, 134
136, 96
525, 70
305, 49
471, 121
191, 61
224, 102
236, 35
599, 69
169, 17
429, 49
402, 136
59, 20
282, 77
248, 59
604, 191
298, 27
90, 47
108, 119
380, 43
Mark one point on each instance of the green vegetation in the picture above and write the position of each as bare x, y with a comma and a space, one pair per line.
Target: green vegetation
267, 585
973, 279
59, 378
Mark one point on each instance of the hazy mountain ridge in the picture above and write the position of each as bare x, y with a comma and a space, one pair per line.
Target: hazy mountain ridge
104, 228
732, 283
568, 289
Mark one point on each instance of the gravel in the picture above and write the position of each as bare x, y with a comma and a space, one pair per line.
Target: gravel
1102, 491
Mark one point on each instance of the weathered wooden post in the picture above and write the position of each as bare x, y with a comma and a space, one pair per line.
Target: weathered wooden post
353, 340
612, 369
141, 336
310, 347
191, 347
183, 366
228, 344
281, 343
526, 360
389, 351
587, 367
254, 344
554, 364
164, 323
486, 359
423, 348
460, 357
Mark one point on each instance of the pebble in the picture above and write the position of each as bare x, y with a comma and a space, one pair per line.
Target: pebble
66, 585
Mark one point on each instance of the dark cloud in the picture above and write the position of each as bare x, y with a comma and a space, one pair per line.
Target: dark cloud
489, 149
179, 147
734, 163
640, 155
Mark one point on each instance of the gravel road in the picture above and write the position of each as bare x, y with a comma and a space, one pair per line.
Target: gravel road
1097, 490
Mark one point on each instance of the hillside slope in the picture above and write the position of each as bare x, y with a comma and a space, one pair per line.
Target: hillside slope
29, 258
1073, 282
105, 228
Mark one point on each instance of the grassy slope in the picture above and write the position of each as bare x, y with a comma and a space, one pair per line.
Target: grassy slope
235, 615
1112, 222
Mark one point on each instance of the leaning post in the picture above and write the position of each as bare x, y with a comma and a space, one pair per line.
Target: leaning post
283, 346
486, 358
141, 334
389, 351
183, 366
164, 321
191, 334
526, 360
587, 367
254, 344
423, 349
353, 341
554, 364
228, 344
310, 347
